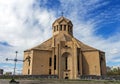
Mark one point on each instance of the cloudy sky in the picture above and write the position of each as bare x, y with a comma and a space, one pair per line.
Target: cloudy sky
27, 23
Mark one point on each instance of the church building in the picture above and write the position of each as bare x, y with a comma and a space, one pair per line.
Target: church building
64, 55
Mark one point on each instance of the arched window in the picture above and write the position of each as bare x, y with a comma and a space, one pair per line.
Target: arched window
54, 28
54, 62
28, 71
64, 27
29, 62
68, 28
78, 60
57, 27
49, 71
66, 63
60, 27
50, 61
65, 60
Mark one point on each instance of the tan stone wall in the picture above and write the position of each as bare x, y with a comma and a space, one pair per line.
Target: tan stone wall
24, 71
91, 63
69, 52
26, 65
63, 42
41, 62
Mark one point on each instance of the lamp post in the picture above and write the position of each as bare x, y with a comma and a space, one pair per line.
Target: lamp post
15, 60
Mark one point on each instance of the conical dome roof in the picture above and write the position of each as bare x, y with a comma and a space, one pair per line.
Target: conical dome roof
61, 19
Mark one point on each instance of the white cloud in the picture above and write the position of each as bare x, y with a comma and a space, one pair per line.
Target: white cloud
85, 30
115, 51
23, 24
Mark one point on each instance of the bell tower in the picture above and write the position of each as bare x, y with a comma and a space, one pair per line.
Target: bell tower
62, 25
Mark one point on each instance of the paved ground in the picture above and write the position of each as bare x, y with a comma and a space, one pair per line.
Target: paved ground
48, 81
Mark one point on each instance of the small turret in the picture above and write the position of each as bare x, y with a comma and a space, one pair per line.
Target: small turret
62, 25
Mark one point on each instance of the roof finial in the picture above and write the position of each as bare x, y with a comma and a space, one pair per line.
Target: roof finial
62, 13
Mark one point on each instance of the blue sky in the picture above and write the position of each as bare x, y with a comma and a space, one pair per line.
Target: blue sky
29, 22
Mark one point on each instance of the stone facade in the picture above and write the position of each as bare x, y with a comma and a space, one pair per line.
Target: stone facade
64, 55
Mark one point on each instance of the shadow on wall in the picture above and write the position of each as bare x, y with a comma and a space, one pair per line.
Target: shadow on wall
85, 66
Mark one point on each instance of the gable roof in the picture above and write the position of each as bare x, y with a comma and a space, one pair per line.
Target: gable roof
83, 46
43, 46
47, 45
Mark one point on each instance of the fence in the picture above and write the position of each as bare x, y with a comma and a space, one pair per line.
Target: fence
84, 77
94, 77
29, 76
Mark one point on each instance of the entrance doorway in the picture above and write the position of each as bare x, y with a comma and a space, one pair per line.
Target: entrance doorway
66, 65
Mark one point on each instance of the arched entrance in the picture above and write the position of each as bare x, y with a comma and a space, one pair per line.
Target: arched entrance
66, 65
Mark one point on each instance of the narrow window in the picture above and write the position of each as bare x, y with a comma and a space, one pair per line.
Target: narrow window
60, 27
71, 29
55, 62
49, 71
29, 62
50, 61
66, 63
78, 63
66, 46
57, 27
78, 59
68, 28
28, 71
64, 27
54, 28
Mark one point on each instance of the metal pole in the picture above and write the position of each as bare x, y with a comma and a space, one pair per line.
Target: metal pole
15, 60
